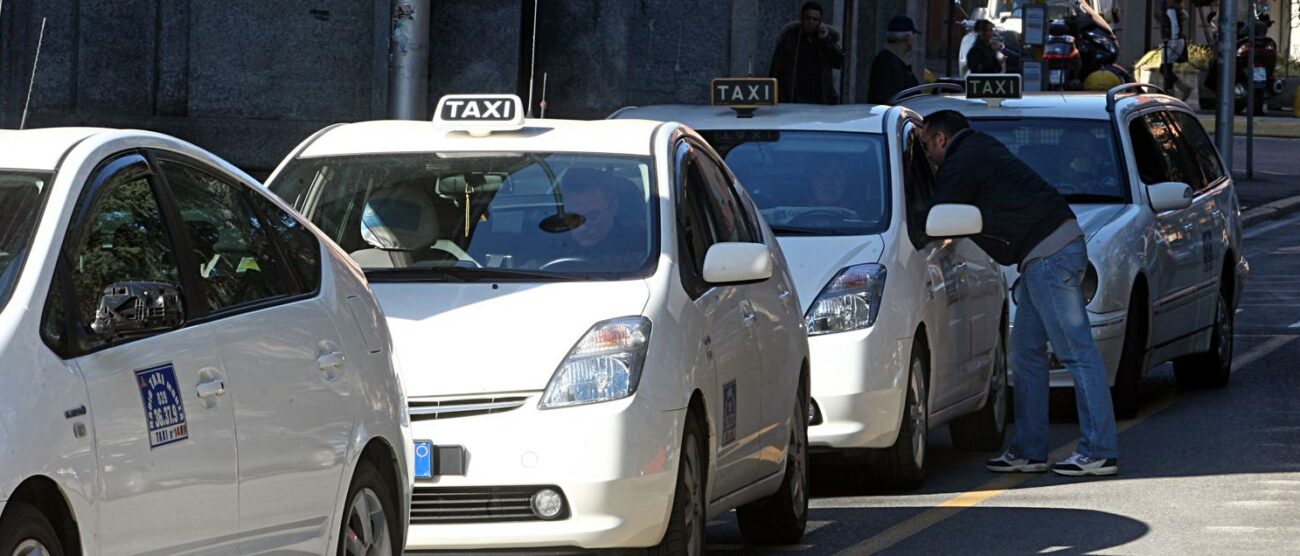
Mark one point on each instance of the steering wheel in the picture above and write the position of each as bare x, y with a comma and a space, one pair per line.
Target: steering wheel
816, 216
562, 261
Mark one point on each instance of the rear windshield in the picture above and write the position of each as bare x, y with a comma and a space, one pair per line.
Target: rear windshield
21, 196
482, 216
818, 183
1078, 157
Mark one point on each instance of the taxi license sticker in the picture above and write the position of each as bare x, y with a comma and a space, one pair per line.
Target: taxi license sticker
164, 411
729, 413
423, 459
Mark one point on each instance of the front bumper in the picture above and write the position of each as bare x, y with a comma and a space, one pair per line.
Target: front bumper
615, 464
859, 380
1108, 333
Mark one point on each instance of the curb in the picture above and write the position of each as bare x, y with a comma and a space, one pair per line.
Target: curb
1279, 127
1270, 211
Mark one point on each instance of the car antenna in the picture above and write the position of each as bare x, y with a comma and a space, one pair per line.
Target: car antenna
751, 66
532, 64
543, 104
30, 84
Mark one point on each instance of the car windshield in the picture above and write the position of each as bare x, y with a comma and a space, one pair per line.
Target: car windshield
21, 195
482, 216
1076, 156
818, 183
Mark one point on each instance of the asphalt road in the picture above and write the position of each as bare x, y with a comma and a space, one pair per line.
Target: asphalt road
1201, 472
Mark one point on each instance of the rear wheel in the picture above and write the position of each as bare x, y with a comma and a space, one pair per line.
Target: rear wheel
369, 527
782, 517
985, 429
685, 534
25, 531
1212, 368
902, 466
1132, 360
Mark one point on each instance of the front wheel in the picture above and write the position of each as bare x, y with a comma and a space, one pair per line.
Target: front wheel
26, 531
782, 517
1212, 368
370, 525
1132, 361
685, 534
902, 466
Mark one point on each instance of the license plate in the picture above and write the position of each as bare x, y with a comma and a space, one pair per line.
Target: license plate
1057, 77
1261, 74
423, 460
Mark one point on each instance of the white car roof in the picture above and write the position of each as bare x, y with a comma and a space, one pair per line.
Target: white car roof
628, 137
40, 149
861, 118
1078, 106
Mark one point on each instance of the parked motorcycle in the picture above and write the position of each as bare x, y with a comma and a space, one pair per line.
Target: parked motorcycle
1093, 44
1261, 79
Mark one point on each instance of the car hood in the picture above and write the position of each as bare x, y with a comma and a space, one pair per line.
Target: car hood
481, 338
813, 261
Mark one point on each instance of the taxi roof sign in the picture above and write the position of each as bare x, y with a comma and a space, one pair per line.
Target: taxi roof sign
744, 94
993, 87
480, 115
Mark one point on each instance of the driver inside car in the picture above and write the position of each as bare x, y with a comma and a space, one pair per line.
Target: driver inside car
1088, 160
602, 237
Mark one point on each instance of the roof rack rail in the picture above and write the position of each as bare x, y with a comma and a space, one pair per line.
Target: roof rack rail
928, 88
1115, 92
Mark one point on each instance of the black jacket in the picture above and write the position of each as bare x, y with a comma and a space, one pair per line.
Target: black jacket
982, 58
890, 75
1020, 209
815, 84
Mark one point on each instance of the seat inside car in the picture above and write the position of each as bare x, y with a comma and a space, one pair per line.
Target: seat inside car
397, 222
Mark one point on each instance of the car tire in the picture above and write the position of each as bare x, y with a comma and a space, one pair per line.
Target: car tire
370, 521
25, 531
782, 517
1132, 361
1213, 368
902, 466
985, 429
685, 534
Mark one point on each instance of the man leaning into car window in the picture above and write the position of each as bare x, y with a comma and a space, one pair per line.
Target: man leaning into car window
1029, 224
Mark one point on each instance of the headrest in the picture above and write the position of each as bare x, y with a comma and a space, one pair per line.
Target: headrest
400, 218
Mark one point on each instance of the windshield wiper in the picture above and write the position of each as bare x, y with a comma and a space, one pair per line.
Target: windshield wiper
796, 231
1093, 198
459, 274
411, 275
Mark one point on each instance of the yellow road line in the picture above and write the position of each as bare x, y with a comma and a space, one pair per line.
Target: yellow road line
952, 506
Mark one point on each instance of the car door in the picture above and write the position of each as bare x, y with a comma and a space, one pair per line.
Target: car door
1177, 250
729, 344
943, 310
982, 298
1213, 202
769, 326
164, 426
293, 406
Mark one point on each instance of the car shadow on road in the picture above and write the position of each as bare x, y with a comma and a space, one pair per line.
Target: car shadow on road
977, 530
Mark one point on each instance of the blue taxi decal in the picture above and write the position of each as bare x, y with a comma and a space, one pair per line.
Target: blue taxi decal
164, 411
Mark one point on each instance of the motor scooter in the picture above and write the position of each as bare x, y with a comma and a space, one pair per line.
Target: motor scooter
1259, 80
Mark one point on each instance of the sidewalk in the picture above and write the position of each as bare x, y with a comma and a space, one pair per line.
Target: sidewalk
1274, 190
1276, 124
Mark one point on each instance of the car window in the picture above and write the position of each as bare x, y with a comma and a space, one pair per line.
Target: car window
298, 244
1078, 157
696, 222
22, 194
237, 262
810, 182
482, 216
124, 238
918, 184
1158, 153
724, 200
1197, 143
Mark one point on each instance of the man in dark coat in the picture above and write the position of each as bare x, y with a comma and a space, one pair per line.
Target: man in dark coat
890, 71
806, 53
983, 57
1028, 223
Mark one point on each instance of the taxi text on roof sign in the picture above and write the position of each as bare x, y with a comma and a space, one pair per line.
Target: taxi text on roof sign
480, 114
993, 86
743, 92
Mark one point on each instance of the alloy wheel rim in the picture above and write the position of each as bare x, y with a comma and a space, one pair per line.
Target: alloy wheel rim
695, 503
31, 547
916, 391
1000, 387
799, 459
367, 526
1225, 333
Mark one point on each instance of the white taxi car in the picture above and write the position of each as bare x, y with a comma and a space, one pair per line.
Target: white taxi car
1160, 216
598, 335
187, 366
906, 331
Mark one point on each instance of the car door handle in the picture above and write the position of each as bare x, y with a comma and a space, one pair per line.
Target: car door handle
211, 388
331, 364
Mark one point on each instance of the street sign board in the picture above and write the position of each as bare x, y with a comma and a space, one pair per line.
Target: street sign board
743, 92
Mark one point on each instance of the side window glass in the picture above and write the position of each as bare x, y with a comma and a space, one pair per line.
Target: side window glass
695, 232
1146, 153
123, 239
1205, 157
726, 201
238, 264
1169, 153
298, 244
918, 182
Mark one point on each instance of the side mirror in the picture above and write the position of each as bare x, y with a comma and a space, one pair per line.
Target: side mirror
730, 263
1170, 195
132, 309
954, 221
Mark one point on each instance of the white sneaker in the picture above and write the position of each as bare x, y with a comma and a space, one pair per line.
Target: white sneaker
1009, 462
1079, 465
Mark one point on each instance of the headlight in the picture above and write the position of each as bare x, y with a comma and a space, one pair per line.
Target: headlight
850, 301
1089, 285
605, 365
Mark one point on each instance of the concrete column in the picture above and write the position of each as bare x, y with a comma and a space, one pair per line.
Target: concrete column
408, 75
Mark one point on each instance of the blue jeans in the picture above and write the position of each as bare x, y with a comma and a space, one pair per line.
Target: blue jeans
1050, 307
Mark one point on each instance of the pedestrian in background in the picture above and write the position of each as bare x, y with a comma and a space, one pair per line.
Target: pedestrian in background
983, 55
890, 71
806, 53
1173, 23
1028, 223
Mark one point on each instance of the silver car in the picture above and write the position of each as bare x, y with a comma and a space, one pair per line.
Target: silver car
1160, 216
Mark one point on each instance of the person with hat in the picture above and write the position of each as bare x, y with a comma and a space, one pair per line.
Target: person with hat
806, 53
890, 71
